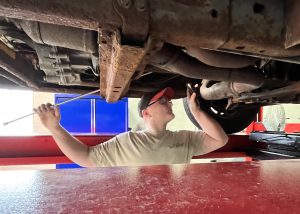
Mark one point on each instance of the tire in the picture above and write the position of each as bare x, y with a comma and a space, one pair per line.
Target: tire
232, 121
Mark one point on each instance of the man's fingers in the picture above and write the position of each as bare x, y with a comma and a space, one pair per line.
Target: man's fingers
49, 106
193, 96
38, 110
44, 108
188, 93
56, 111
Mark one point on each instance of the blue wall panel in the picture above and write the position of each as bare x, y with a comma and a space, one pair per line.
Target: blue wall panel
93, 114
76, 115
111, 118
67, 166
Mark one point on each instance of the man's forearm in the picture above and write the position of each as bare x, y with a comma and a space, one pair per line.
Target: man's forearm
71, 147
210, 126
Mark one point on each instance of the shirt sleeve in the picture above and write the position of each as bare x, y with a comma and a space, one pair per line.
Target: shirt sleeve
196, 141
103, 154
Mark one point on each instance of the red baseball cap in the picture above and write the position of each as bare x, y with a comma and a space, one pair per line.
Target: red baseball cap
166, 92
153, 96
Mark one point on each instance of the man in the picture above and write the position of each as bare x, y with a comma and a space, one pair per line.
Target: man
154, 145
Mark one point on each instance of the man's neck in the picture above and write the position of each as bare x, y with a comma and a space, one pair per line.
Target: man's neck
155, 129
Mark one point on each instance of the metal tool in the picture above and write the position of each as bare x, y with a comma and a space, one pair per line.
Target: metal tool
59, 104
194, 89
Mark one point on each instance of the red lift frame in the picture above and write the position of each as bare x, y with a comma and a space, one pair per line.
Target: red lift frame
24, 150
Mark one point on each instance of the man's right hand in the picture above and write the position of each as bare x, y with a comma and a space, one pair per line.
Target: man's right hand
49, 115
191, 98
75, 150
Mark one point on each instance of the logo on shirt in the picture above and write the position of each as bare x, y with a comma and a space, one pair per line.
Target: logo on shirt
176, 145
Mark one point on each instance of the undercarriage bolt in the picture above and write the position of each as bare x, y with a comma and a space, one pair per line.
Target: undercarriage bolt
140, 5
125, 3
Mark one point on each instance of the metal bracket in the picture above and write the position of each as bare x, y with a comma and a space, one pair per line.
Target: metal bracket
152, 46
135, 17
118, 64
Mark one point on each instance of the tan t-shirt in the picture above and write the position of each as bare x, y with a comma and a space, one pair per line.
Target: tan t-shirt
142, 148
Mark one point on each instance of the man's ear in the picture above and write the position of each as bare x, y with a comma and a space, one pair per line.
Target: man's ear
145, 113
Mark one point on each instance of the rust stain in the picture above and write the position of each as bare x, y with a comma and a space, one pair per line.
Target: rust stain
7, 50
118, 63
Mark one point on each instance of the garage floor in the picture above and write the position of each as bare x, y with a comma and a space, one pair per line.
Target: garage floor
248, 187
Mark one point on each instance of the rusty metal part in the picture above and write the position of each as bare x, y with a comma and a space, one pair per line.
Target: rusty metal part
292, 30
62, 36
135, 18
118, 64
256, 27
90, 15
175, 60
193, 23
223, 90
152, 46
7, 50
290, 90
220, 59
19, 68
239, 26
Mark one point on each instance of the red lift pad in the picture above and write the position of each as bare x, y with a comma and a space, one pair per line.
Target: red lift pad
249, 187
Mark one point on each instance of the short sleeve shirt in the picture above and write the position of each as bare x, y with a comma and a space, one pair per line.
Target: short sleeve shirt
142, 148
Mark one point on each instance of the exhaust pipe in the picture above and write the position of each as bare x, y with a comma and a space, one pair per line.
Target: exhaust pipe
223, 90
174, 60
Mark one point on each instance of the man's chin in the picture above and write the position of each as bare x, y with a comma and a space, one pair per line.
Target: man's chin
172, 116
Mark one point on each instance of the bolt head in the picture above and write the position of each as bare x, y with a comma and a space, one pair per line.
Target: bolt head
125, 3
140, 5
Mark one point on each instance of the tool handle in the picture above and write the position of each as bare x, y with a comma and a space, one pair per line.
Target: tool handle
27, 115
76, 98
192, 90
72, 99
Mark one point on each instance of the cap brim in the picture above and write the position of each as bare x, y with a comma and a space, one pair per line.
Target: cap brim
167, 92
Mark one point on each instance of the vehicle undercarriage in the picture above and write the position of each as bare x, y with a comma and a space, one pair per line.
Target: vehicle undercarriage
242, 54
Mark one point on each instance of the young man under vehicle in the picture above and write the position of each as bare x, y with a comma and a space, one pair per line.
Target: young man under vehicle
152, 146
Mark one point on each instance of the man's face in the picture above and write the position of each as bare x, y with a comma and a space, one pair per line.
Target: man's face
160, 110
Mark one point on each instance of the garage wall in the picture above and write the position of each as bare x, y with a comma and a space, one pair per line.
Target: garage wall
291, 112
181, 120
14, 104
38, 99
